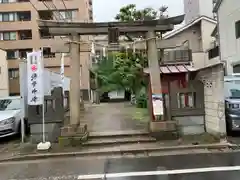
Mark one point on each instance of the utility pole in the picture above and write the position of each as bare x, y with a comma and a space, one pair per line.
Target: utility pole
75, 95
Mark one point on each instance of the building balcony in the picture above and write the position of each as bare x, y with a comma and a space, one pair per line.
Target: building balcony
16, 44
56, 61
201, 60
16, 25
59, 5
20, 5
49, 62
176, 57
13, 63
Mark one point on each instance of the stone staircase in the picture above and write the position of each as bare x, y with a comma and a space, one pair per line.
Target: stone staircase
118, 138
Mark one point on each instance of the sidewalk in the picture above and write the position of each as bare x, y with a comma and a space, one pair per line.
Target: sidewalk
29, 151
111, 117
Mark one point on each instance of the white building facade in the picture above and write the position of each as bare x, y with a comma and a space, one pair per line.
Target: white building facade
195, 8
4, 81
228, 13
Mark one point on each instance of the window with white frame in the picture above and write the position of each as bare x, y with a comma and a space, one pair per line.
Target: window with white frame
68, 14
7, 1
12, 54
6, 17
6, 36
15, 16
186, 100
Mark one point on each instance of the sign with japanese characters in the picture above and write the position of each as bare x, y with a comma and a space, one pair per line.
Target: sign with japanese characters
157, 101
35, 69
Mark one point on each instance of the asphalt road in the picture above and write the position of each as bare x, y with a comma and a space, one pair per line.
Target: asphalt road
180, 167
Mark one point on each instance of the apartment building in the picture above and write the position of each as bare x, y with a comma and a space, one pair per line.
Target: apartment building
228, 33
4, 81
19, 33
193, 9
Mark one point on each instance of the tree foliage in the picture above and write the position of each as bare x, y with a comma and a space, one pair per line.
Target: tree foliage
121, 71
124, 71
130, 13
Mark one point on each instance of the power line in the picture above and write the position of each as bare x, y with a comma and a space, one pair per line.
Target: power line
33, 5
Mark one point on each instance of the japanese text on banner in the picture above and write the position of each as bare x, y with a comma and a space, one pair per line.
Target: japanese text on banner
35, 88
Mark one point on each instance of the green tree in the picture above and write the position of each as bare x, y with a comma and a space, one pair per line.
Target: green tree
124, 71
131, 13
121, 71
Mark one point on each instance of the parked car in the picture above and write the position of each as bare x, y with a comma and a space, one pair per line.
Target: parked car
11, 113
232, 102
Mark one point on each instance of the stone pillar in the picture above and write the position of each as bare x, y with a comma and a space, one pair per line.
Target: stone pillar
152, 54
75, 80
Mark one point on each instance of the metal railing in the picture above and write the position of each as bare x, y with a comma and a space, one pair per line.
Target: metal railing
176, 56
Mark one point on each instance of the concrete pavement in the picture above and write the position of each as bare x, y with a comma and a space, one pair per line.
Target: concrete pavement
110, 117
194, 166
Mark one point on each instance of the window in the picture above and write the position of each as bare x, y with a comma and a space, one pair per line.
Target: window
4, 1
23, 52
25, 34
5, 36
24, 16
13, 73
44, 34
69, 14
6, 17
45, 15
9, 1
47, 53
186, 100
12, 54
212, 53
237, 29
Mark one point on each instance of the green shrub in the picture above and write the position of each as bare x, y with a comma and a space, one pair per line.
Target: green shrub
141, 100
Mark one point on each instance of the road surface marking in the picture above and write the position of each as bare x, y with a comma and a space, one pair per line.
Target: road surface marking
164, 172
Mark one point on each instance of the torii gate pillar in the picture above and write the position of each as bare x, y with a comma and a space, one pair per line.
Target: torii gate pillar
75, 80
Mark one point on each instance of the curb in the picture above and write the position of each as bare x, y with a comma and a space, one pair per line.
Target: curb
128, 141
112, 152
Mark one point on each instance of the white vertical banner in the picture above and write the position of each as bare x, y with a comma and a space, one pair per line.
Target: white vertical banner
35, 80
134, 48
62, 70
93, 49
104, 52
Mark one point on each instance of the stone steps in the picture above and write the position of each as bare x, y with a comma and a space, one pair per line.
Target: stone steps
118, 140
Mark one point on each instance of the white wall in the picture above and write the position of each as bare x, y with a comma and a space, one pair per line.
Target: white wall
206, 8
4, 84
191, 10
212, 79
206, 30
228, 14
196, 8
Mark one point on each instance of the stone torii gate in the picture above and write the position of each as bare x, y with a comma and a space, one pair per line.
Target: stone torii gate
76, 29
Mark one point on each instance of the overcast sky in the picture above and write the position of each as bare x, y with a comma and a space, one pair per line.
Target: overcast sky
106, 10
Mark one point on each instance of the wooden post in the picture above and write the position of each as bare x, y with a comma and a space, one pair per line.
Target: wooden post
75, 80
